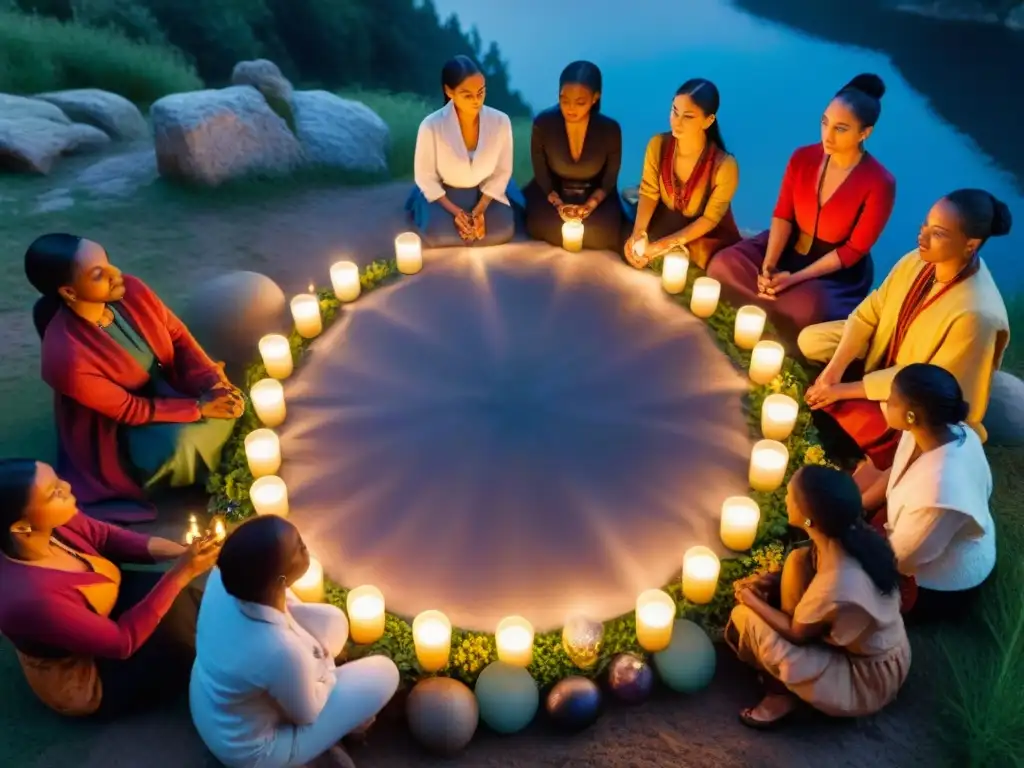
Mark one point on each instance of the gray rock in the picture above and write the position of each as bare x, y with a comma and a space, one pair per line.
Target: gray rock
85, 138
340, 133
265, 76
12, 107
114, 114
1004, 418
33, 144
213, 136
119, 175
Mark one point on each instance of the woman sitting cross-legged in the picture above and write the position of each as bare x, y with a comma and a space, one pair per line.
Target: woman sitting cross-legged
934, 502
688, 183
576, 152
938, 305
265, 690
137, 401
827, 630
90, 637
463, 166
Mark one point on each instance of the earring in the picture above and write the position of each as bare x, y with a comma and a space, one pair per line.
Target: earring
282, 579
22, 528
807, 522
911, 417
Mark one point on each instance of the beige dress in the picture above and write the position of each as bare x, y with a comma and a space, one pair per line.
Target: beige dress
864, 657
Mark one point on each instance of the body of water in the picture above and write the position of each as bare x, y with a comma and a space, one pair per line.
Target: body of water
775, 80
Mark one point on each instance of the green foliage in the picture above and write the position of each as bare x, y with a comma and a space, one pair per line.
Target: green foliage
472, 651
42, 54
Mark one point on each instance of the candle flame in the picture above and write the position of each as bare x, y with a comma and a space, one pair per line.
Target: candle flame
312, 288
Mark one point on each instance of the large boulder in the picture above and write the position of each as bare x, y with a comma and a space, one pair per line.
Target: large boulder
1004, 418
113, 114
340, 133
13, 107
265, 76
33, 144
213, 136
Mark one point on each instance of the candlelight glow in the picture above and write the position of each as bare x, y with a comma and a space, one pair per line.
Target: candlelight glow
514, 639
345, 280
277, 355
310, 586
432, 636
655, 615
267, 397
263, 452
306, 313
572, 235
740, 518
366, 618
700, 575
269, 496
778, 416
750, 322
673, 272
705, 296
766, 361
409, 253
768, 462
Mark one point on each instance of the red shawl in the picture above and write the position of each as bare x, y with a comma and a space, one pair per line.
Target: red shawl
94, 379
700, 178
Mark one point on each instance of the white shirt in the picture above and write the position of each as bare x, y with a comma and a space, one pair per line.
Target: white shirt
442, 157
939, 521
256, 669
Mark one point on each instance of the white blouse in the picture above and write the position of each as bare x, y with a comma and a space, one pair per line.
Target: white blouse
939, 521
442, 157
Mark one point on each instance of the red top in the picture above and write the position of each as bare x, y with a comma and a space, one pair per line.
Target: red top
94, 380
853, 218
44, 612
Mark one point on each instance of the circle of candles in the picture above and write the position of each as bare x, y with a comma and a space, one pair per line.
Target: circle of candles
572, 235
778, 416
310, 586
750, 322
269, 496
673, 272
768, 462
277, 355
432, 636
345, 279
263, 452
704, 299
267, 397
766, 361
365, 608
700, 575
409, 253
306, 313
740, 518
655, 615
514, 639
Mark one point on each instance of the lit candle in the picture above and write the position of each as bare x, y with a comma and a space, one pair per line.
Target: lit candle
306, 313
220, 531
778, 416
193, 531
277, 355
704, 299
766, 361
514, 638
345, 279
749, 326
267, 397
640, 246
673, 272
432, 636
655, 614
263, 452
365, 608
310, 586
572, 235
700, 574
740, 516
768, 462
409, 253
269, 496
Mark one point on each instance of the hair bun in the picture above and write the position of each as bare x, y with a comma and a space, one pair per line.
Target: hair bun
868, 84
1002, 219
963, 411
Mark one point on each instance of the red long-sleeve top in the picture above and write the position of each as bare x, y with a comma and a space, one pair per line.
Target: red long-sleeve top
854, 216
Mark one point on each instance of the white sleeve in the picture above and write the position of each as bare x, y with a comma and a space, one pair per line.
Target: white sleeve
296, 684
425, 164
495, 185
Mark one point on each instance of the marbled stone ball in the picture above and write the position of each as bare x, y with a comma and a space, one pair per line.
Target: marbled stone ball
442, 714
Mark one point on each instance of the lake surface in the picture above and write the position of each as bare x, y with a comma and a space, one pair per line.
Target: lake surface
775, 82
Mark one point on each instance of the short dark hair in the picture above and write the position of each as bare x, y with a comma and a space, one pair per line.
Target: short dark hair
863, 95
455, 72
253, 557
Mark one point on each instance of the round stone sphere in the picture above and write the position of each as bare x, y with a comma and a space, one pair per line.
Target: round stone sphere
1004, 418
442, 714
228, 315
507, 696
574, 703
688, 664
630, 678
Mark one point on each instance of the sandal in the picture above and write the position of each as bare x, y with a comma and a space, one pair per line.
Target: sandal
748, 719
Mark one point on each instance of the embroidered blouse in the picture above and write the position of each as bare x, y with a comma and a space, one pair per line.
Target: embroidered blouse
725, 178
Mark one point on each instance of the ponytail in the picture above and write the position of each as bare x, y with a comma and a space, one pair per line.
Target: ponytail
714, 134
874, 553
43, 312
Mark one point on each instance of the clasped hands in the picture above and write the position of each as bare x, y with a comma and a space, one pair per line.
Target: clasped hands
828, 389
570, 212
223, 400
639, 256
771, 282
471, 226
763, 586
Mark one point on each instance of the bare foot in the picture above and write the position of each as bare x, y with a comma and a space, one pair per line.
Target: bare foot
773, 709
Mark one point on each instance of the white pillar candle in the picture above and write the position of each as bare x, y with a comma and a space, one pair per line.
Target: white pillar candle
269, 496
263, 452
778, 416
345, 279
310, 586
749, 326
673, 272
306, 313
409, 253
514, 639
700, 575
432, 636
277, 355
740, 518
704, 299
365, 608
766, 361
655, 615
768, 462
267, 397
572, 235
